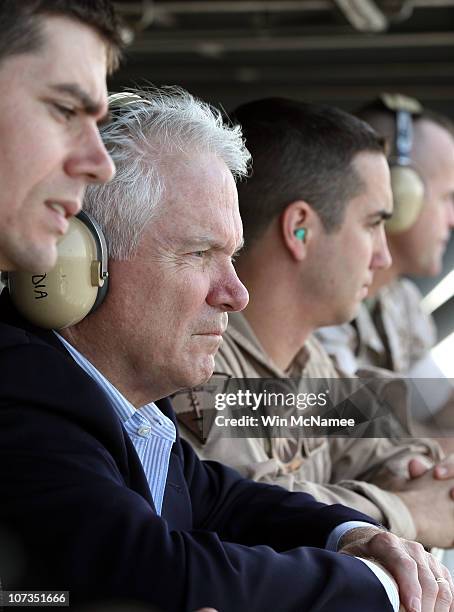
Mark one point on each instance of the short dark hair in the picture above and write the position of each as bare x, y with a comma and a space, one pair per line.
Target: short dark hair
21, 20
299, 151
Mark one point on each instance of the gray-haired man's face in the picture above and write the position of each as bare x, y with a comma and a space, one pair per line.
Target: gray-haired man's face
173, 298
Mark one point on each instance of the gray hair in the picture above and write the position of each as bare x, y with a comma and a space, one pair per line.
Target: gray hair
146, 126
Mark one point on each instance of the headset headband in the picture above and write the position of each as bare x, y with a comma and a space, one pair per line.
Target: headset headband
404, 109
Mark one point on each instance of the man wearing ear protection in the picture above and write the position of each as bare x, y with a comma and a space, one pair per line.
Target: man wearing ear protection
53, 61
313, 212
391, 329
101, 497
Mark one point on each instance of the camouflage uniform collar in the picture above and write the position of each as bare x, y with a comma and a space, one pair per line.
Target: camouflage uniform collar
241, 331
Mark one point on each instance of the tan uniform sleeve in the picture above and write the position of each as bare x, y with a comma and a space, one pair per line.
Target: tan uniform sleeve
249, 457
364, 466
334, 477
333, 471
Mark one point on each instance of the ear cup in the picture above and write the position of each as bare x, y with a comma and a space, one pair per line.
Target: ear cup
407, 184
408, 194
73, 288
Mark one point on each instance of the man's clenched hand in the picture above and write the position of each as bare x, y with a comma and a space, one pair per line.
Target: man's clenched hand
425, 584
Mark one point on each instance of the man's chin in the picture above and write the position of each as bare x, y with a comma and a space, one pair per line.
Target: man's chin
38, 259
435, 270
33, 254
429, 269
201, 371
347, 314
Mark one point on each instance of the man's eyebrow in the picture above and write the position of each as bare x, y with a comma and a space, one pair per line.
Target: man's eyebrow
381, 214
239, 247
209, 241
88, 104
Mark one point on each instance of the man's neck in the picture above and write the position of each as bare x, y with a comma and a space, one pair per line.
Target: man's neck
278, 338
109, 360
274, 317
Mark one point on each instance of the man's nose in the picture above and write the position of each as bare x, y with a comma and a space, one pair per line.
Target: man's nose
450, 214
381, 258
90, 160
228, 293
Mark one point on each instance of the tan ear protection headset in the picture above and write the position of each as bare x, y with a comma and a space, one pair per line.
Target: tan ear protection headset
407, 185
75, 287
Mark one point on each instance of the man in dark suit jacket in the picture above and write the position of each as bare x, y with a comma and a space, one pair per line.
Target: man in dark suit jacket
77, 513
85, 452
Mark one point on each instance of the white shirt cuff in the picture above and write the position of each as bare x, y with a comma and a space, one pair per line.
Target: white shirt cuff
388, 583
334, 537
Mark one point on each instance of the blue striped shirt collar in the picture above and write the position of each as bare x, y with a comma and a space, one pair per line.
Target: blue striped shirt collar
123, 407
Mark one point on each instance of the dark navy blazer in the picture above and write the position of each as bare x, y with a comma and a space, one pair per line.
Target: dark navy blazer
76, 512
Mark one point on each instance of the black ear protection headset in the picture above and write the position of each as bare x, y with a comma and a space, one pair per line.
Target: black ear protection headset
74, 288
407, 185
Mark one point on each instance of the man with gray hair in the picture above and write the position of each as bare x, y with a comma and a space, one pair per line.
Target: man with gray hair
115, 505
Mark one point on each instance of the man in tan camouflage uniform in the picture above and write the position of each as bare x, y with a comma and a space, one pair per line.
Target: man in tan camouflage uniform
313, 215
391, 329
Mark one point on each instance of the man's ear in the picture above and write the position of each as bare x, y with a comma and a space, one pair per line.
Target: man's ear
296, 223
